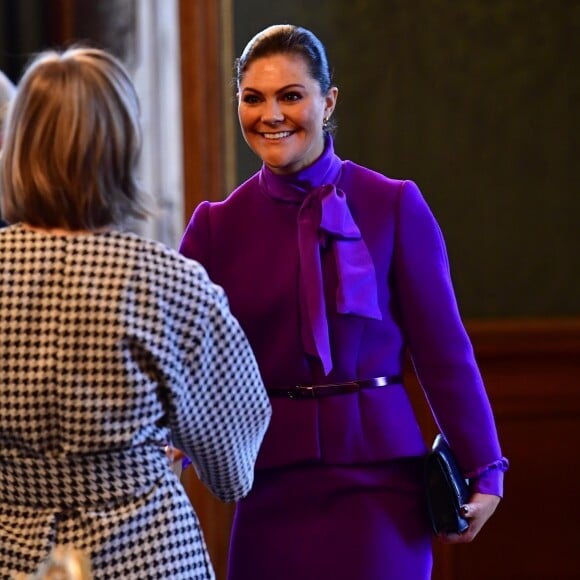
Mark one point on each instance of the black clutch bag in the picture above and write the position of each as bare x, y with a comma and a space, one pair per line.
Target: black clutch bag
447, 490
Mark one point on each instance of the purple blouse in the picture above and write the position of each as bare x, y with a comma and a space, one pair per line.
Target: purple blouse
334, 273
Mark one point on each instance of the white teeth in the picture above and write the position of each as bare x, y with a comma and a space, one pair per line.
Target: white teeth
273, 136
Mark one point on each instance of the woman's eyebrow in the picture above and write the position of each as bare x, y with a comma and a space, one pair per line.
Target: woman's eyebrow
280, 90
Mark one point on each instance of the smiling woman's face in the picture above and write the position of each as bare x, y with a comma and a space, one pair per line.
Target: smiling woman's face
281, 111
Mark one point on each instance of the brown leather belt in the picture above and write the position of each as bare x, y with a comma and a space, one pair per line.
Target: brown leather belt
317, 391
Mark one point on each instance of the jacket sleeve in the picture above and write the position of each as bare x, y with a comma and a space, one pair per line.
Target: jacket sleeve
218, 407
195, 240
439, 345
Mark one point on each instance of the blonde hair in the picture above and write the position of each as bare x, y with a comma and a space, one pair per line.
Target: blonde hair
72, 144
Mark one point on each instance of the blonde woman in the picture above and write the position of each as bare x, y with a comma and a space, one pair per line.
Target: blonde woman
110, 344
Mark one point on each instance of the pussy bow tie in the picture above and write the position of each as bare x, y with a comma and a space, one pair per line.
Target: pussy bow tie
324, 219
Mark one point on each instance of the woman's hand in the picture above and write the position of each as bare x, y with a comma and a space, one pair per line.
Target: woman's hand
174, 454
479, 509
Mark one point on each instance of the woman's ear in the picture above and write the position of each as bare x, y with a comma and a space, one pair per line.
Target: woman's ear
330, 99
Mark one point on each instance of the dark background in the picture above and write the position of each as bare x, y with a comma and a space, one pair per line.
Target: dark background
477, 102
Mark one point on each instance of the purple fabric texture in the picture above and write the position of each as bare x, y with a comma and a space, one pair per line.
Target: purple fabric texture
249, 243
287, 251
333, 523
325, 221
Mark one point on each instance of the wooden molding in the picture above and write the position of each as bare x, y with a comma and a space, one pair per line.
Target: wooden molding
501, 338
206, 129
208, 173
531, 369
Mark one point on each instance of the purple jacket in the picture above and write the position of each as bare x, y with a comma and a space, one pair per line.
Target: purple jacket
251, 244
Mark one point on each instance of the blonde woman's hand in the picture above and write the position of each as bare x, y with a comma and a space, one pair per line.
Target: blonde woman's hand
479, 509
174, 454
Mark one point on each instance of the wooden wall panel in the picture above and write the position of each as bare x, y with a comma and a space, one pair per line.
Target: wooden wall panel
208, 168
531, 369
215, 518
207, 140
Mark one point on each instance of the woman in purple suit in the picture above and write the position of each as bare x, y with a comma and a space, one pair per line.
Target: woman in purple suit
335, 272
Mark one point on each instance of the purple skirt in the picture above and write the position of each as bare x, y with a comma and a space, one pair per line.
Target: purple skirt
321, 522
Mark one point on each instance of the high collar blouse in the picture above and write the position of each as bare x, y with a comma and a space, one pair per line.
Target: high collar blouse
325, 221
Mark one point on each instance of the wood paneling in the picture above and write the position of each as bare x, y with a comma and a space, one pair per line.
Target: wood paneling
208, 168
205, 123
215, 518
531, 369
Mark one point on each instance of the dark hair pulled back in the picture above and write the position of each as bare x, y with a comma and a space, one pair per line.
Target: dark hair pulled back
287, 39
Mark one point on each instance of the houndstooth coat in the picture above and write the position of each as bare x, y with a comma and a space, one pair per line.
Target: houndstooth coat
109, 345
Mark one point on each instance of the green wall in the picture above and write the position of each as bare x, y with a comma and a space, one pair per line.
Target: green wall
23, 31
476, 101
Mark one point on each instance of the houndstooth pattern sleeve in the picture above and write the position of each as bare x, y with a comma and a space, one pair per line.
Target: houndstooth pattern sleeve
108, 344
119, 340
218, 409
